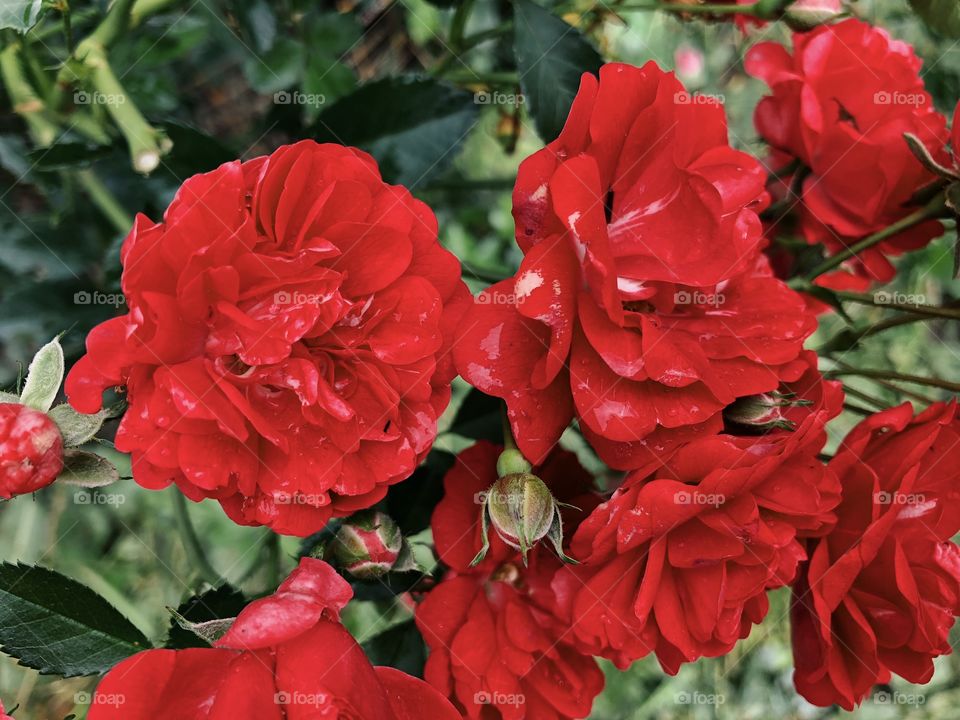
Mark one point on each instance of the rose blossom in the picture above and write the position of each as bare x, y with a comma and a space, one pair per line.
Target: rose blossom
285, 351
679, 560
496, 646
643, 305
881, 590
285, 656
840, 104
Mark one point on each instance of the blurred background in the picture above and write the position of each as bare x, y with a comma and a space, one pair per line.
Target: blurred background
433, 91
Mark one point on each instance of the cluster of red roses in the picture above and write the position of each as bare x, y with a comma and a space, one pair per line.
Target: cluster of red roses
294, 327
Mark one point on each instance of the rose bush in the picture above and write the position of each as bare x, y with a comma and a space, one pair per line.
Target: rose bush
285, 349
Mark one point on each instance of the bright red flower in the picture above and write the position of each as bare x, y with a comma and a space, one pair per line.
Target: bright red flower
3, 713
642, 304
285, 657
880, 592
286, 346
496, 646
679, 560
840, 105
31, 450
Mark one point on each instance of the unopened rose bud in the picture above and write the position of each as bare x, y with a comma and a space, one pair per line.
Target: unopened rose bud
367, 545
521, 508
805, 15
31, 450
762, 412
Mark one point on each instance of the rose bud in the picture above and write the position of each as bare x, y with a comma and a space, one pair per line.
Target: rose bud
762, 412
367, 544
31, 450
805, 15
521, 509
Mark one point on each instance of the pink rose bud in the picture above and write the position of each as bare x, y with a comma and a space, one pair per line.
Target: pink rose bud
367, 544
31, 450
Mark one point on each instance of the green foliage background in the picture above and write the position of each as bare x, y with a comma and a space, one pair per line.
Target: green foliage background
208, 74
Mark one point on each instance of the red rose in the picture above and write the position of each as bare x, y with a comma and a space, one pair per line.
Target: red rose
880, 592
840, 105
285, 656
679, 560
31, 450
643, 304
286, 346
496, 646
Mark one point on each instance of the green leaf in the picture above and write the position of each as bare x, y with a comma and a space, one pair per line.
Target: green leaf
551, 58
413, 127
411, 502
75, 427
193, 151
59, 627
277, 69
87, 469
6, 397
20, 15
943, 16
400, 646
67, 155
480, 417
44, 377
213, 606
